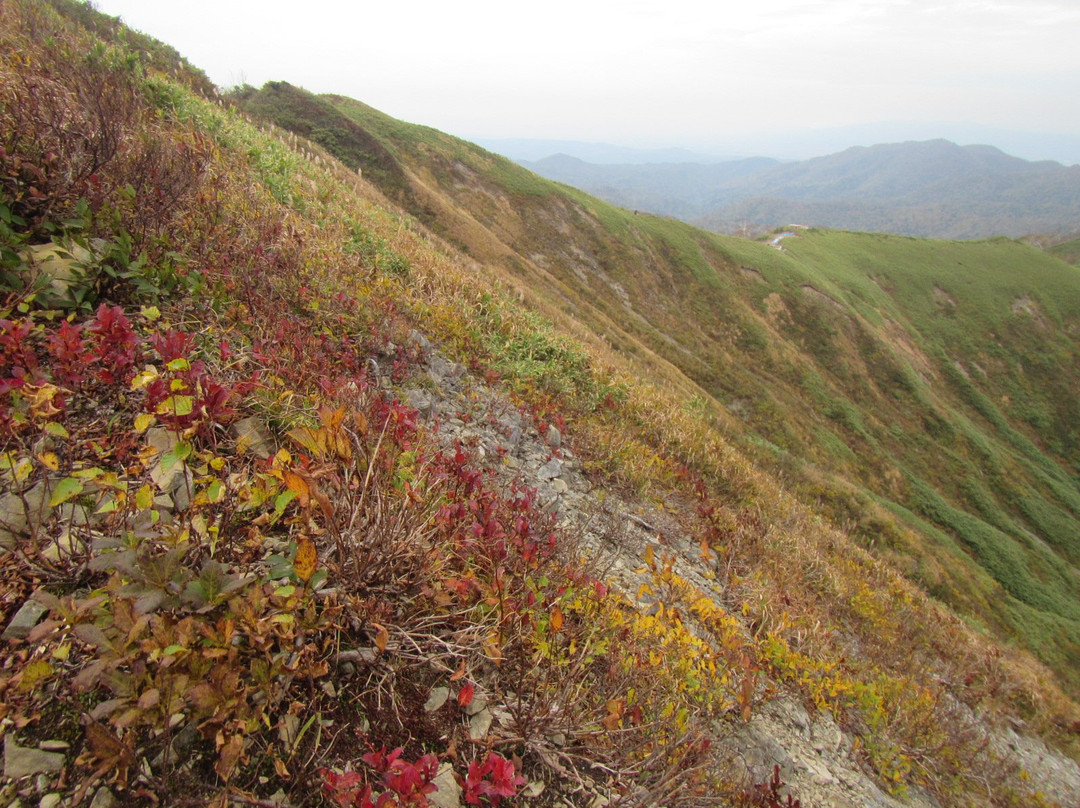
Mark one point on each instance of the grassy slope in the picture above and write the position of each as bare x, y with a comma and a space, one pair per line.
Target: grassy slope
898, 380
258, 280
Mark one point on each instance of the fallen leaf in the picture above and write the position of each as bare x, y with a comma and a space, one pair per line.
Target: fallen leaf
459, 673
382, 637
307, 559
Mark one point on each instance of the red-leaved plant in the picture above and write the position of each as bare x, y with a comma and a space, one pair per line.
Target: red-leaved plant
407, 784
491, 781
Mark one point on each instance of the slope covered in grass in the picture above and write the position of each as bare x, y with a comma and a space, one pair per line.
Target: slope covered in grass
263, 537
901, 383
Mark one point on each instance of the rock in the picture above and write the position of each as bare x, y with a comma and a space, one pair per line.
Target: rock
251, 436
28, 616
477, 705
54, 746
447, 792
19, 519
480, 723
51, 800
103, 798
550, 470
418, 340
421, 401
559, 486
436, 699
443, 373
553, 437
22, 761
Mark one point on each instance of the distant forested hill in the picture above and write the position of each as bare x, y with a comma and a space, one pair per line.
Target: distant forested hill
933, 189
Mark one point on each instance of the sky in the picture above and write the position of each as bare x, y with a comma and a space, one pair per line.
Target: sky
747, 77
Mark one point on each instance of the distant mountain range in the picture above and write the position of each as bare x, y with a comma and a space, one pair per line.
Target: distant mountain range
929, 188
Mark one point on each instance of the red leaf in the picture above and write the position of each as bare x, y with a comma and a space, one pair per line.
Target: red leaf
465, 695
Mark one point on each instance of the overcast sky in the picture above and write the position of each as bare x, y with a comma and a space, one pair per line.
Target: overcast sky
704, 75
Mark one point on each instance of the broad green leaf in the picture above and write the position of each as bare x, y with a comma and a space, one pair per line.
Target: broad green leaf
66, 489
109, 505
216, 491
177, 405
179, 364
57, 430
282, 500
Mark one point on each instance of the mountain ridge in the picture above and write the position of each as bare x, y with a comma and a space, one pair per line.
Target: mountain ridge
926, 188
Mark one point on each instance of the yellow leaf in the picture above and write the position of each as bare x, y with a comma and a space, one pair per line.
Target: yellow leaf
307, 559
144, 498
382, 637
306, 439
649, 559
143, 421
50, 461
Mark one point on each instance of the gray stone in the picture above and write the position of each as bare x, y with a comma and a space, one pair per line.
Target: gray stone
50, 800
559, 486
444, 373
447, 792
421, 401
28, 616
553, 437
103, 798
436, 699
22, 761
19, 518
251, 436
418, 340
550, 470
480, 723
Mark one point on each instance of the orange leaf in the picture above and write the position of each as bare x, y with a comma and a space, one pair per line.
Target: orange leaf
459, 673
307, 559
382, 637
298, 484
556, 618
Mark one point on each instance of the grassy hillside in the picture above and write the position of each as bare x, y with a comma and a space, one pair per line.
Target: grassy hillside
262, 540
921, 392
